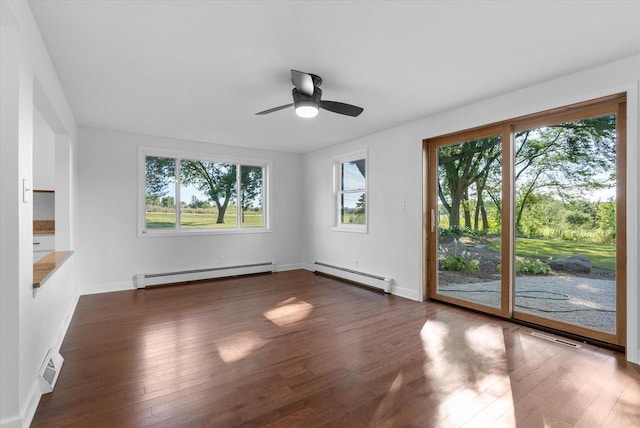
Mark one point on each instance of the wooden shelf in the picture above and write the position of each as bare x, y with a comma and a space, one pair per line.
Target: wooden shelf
46, 266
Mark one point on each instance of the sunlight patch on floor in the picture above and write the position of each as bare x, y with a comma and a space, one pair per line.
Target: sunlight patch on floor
485, 339
238, 346
482, 360
433, 334
288, 312
383, 414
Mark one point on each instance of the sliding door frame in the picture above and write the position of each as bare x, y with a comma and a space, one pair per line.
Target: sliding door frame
601, 106
431, 148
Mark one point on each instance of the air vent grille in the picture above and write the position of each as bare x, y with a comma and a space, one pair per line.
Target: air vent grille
556, 340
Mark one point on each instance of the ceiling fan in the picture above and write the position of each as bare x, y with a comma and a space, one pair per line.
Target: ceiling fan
307, 98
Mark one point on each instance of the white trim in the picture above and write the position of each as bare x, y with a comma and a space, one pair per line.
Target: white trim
130, 285
406, 293
29, 410
107, 287
143, 232
11, 422
633, 223
292, 266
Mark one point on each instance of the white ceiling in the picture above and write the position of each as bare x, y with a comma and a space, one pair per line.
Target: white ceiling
199, 70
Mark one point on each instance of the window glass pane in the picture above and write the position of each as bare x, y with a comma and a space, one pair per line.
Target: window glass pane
208, 192
565, 222
353, 208
160, 191
353, 175
469, 219
252, 194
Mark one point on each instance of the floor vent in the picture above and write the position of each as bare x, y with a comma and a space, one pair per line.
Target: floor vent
49, 371
556, 340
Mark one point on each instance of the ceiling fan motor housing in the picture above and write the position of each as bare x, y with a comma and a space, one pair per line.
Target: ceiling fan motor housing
300, 100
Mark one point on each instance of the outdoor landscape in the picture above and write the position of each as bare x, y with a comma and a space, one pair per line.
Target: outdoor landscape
564, 220
208, 193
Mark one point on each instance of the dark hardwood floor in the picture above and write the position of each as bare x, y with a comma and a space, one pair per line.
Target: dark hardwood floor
296, 349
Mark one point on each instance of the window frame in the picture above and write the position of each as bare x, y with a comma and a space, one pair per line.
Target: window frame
179, 155
337, 224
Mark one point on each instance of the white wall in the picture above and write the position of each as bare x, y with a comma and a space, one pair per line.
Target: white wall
44, 141
110, 252
393, 246
31, 322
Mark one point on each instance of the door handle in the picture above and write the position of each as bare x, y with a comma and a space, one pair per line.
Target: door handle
433, 220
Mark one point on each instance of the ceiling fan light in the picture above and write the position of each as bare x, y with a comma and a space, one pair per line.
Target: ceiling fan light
307, 110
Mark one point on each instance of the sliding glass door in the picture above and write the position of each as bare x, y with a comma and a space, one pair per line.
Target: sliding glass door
525, 219
467, 248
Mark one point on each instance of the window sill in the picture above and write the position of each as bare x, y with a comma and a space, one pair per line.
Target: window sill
194, 232
46, 266
363, 229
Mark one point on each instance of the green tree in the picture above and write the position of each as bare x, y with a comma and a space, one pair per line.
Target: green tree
461, 166
251, 187
568, 159
160, 174
216, 180
606, 219
168, 201
197, 203
359, 214
153, 199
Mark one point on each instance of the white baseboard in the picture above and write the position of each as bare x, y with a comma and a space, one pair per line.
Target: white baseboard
292, 266
107, 287
307, 266
406, 293
11, 422
29, 409
130, 285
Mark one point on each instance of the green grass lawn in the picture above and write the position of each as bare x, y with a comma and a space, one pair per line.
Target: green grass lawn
603, 256
192, 221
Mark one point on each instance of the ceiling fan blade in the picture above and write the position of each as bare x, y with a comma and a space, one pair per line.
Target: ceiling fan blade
341, 108
303, 82
271, 110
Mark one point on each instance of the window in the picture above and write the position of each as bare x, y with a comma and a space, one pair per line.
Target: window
193, 193
351, 192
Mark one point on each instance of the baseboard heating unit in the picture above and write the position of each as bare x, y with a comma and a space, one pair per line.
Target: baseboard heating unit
150, 279
363, 278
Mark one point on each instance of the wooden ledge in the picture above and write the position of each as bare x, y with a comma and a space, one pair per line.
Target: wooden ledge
43, 268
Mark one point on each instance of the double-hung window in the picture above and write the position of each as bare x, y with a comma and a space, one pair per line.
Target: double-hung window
351, 212
187, 193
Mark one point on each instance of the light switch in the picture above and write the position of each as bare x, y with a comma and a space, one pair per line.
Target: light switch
26, 188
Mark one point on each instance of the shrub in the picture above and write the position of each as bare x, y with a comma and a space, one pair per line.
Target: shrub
461, 231
461, 263
530, 267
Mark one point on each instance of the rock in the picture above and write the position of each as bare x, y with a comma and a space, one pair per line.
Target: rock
573, 264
